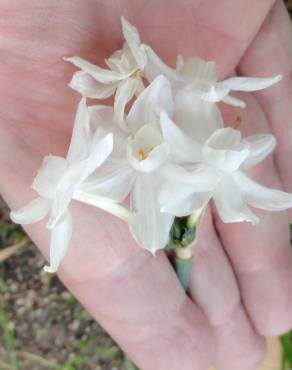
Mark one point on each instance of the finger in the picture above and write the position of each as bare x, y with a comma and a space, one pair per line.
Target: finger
237, 344
214, 288
271, 52
135, 296
36, 36
201, 28
261, 255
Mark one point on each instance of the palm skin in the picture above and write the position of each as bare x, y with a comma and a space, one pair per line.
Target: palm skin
241, 284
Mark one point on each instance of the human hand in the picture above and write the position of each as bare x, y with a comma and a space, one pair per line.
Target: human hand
136, 297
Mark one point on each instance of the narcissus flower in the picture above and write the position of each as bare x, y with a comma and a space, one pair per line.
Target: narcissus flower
199, 77
59, 178
139, 164
124, 76
134, 168
227, 155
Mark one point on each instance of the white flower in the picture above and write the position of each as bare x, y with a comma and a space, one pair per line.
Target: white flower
134, 166
122, 78
223, 152
198, 77
59, 178
139, 164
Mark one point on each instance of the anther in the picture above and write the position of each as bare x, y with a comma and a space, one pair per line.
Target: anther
237, 123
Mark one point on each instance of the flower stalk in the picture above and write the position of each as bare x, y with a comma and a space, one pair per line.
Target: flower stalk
183, 265
184, 250
110, 207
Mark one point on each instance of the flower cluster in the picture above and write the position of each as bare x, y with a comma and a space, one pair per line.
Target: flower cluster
163, 143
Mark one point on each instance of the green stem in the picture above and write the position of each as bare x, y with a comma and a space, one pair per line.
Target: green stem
183, 265
183, 271
184, 255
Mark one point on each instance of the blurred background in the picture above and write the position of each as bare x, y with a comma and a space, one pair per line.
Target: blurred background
42, 326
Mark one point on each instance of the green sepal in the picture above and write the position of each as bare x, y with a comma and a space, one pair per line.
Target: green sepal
180, 234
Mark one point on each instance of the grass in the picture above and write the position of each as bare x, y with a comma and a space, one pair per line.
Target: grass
286, 343
286, 340
7, 327
84, 347
8, 337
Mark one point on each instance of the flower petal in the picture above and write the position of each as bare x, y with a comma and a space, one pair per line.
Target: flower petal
147, 138
123, 62
197, 69
231, 204
125, 92
182, 147
155, 67
225, 150
148, 144
149, 226
64, 194
113, 181
197, 118
206, 91
87, 86
49, 175
102, 116
81, 135
33, 212
184, 203
154, 161
60, 238
132, 38
260, 146
102, 75
201, 178
184, 192
248, 83
100, 149
219, 91
262, 197
147, 107
231, 100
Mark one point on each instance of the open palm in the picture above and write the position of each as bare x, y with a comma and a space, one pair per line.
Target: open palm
241, 284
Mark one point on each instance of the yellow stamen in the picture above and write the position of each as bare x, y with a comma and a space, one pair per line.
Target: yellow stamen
142, 155
237, 123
